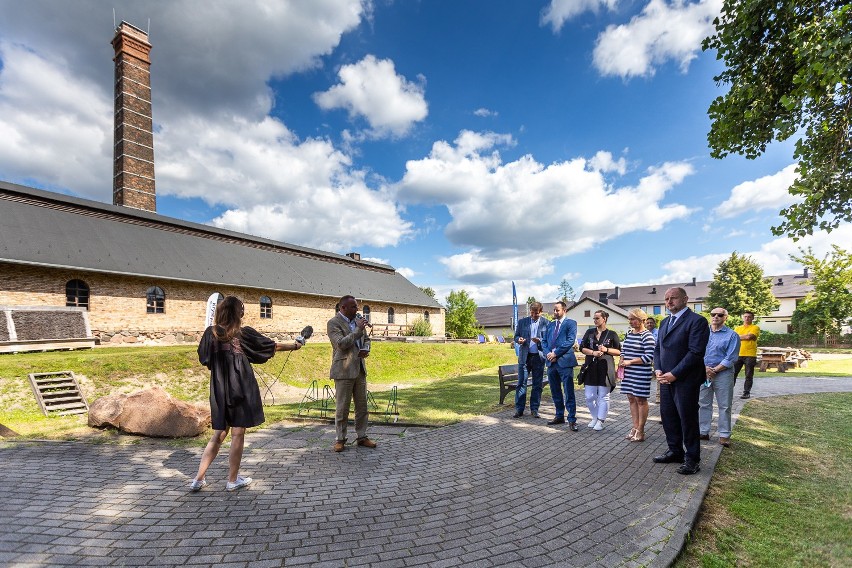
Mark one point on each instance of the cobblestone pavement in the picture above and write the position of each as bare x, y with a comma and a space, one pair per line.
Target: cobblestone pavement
493, 491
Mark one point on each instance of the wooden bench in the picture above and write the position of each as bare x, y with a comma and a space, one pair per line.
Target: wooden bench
508, 377
390, 330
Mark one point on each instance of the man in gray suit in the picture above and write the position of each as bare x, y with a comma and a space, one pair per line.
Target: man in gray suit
350, 346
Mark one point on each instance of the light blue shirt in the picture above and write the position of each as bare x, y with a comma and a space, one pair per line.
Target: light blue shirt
723, 348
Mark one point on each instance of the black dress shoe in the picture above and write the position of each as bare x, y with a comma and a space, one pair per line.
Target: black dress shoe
556, 421
517, 415
745, 395
668, 457
689, 468
573, 426
704, 437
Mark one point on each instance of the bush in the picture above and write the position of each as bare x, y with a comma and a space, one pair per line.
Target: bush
421, 328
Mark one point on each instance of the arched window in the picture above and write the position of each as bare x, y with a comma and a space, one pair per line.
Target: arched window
366, 310
155, 300
426, 315
265, 307
390, 315
77, 294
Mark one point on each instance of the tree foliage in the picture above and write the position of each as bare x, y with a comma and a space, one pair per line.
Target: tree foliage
428, 290
566, 292
789, 67
829, 306
739, 285
460, 319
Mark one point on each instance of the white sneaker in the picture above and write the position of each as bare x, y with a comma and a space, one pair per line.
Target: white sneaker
599, 425
593, 423
196, 484
238, 484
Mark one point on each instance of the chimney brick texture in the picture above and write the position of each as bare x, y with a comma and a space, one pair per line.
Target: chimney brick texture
133, 135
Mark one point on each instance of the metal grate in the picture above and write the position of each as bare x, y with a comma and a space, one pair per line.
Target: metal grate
58, 393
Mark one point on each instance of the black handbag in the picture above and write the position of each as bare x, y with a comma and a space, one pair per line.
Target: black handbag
581, 376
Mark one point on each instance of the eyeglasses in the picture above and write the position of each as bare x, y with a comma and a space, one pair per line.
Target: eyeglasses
718, 315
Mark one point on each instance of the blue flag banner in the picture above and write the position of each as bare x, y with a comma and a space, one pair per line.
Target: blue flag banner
515, 314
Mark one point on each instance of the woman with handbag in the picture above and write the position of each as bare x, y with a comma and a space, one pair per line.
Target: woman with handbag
599, 345
637, 357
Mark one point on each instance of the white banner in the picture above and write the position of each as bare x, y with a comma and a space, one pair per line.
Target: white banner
211, 309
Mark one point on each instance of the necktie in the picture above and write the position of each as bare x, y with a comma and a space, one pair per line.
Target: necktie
556, 331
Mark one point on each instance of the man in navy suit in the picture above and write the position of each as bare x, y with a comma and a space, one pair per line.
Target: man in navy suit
680, 370
528, 336
558, 347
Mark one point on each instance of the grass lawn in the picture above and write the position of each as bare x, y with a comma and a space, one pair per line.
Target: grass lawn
783, 495
438, 383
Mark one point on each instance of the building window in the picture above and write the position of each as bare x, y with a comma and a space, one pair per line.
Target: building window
366, 310
697, 307
644, 309
658, 310
155, 300
265, 307
77, 294
390, 315
426, 315
587, 313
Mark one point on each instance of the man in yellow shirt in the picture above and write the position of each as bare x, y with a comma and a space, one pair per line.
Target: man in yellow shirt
748, 333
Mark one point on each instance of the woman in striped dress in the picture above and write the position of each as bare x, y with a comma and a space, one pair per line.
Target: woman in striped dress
637, 357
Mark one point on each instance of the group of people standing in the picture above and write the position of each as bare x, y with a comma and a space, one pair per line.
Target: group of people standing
693, 363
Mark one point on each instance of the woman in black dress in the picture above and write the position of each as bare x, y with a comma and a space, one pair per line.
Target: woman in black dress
228, 349
599, 345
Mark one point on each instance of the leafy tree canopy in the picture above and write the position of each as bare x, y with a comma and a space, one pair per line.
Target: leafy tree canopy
738, 285
566, 292
460, 318
531, 300
829, 306
789, 67
428, 290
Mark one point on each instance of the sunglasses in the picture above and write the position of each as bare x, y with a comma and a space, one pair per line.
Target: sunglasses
718, 315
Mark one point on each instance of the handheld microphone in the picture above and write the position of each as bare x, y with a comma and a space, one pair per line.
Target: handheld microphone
307, 332
367, 322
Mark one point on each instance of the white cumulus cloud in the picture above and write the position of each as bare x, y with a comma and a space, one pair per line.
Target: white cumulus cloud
493, 204
560, 11
371, 88
663, 31
768, 192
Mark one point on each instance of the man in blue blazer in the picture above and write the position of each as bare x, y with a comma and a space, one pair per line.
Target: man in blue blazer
679, 367
528, 336
558, 347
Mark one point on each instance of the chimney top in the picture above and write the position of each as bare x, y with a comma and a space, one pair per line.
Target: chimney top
354, 255
617, 293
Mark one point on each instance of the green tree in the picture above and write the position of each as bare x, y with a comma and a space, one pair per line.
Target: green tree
738, 285
460, 318
829, 306
566, 292
531, 300
428, 290
789, 67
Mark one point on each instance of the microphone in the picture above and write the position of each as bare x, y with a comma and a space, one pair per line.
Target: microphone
307, 332
359, 316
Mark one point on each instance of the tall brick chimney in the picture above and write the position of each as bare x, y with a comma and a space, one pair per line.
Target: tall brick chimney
133, 137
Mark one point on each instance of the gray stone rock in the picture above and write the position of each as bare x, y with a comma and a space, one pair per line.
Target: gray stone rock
150, 412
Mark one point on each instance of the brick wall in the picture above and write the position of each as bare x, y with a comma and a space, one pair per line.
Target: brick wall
117, 306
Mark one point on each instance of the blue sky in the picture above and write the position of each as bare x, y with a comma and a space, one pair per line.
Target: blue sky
466, 143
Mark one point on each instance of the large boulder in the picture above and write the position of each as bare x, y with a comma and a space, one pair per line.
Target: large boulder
149, 412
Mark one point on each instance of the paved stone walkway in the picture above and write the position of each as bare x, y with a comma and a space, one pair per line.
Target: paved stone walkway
489, 492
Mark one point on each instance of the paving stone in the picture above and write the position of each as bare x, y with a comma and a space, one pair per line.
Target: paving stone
542, 496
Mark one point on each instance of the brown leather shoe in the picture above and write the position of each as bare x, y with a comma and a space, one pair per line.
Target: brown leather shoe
366, 442
725, 442
339, 446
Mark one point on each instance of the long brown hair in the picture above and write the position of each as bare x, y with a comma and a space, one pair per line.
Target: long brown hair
229, 315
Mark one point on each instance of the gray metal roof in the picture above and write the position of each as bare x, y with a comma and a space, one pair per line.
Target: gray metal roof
48, 229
